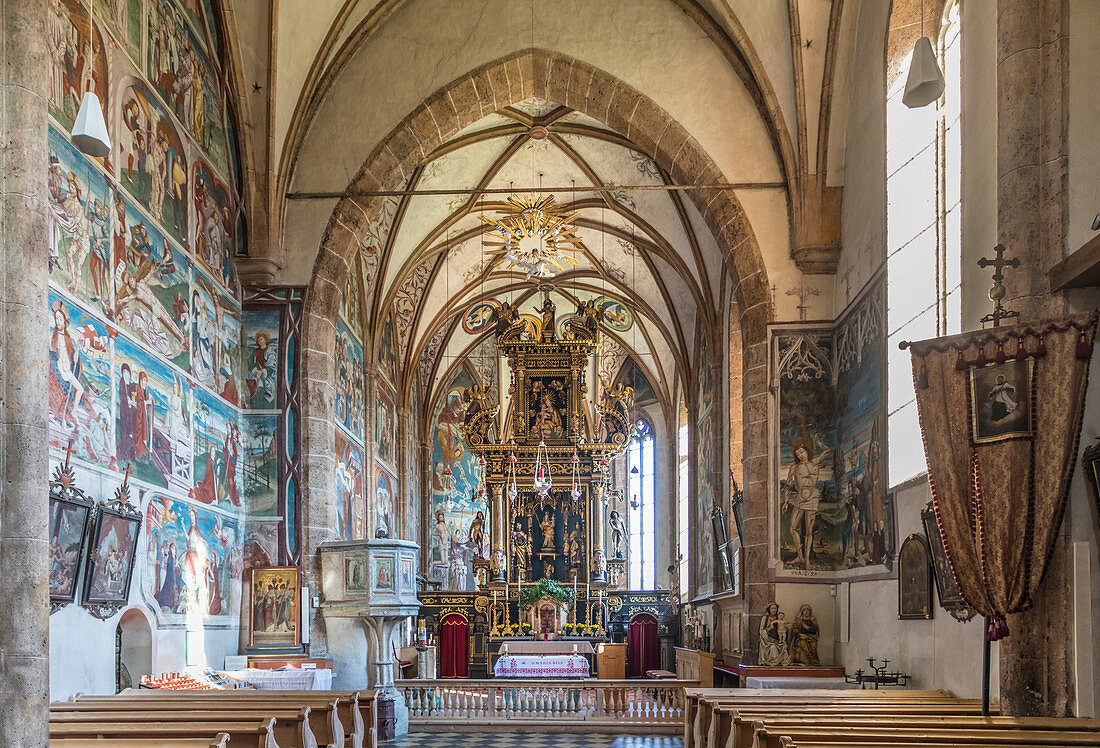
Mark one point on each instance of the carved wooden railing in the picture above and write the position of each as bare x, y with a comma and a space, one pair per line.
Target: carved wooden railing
632, 702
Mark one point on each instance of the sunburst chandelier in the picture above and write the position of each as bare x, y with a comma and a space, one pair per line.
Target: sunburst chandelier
534, 234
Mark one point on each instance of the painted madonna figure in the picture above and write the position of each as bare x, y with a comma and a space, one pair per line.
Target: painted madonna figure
804, 636
773, 638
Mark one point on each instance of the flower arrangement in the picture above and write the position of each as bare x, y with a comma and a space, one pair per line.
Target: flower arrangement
545, 588
570, 628
515, 629
526, 628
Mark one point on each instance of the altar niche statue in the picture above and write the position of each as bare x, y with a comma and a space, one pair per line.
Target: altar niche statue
547, 525
574, 544
804, 636
520, 548
618, 532
478, 538
774, 637
801, 494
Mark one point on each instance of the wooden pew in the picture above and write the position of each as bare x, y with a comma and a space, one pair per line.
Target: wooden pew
325, 706
723, 715
356, 708
260, 733
700, 703
771, 737
291, 725
738, 729
219, 741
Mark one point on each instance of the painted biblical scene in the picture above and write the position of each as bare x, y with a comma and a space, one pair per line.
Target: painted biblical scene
80, 383
194, 562
153, 419
77, 63
704, 477
111, 558
349, 382
228, 321
453, 484
123, 19
152, 161
150, 284
274, 596
351, 505
385, 428
68, 524
204, 332
212, 222
260, 445
387, 354
217, 453
351, 301
859, 531
385, 496
80, 225
261, 364
1000, 400
184, 79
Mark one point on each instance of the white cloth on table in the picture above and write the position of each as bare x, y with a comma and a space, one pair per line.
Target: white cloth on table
525, 647
778, 682
291, 679
541, 666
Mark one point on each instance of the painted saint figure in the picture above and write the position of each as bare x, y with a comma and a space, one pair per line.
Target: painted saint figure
618, 533
804, 636
1002, 397
801, 494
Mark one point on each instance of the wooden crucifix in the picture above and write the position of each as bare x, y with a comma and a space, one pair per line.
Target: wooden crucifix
69, 452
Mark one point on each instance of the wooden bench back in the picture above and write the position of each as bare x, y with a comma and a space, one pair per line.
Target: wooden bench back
292, 728
218, 741
260, 734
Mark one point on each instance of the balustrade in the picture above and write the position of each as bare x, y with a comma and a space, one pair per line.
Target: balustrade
560, 701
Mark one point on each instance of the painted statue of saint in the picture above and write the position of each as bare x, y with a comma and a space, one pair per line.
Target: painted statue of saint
804, 636
618, 533
547, 525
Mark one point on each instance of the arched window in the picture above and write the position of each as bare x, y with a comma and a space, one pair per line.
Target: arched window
682, 499
642, 496
923, 226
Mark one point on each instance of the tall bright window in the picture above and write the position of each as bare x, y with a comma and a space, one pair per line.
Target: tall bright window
642, 497
923, 227
682, 498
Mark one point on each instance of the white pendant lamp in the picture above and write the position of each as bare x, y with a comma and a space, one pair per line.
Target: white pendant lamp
90, 129
925, 83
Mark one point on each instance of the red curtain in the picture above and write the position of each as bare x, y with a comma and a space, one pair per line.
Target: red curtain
452, 647
642, 647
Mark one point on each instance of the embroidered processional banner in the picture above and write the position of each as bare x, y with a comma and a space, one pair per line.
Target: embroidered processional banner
1000, 415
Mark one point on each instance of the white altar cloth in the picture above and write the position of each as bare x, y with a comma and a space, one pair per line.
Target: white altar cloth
829, 683
541, 666
291, 679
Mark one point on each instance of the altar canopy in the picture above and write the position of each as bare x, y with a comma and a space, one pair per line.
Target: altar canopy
1000, 414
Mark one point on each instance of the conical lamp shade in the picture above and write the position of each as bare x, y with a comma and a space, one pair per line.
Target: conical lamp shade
925, 82
90, 130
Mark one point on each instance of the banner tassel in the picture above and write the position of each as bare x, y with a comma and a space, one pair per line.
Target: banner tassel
960, 362
1021, 352
1000, 357
996, 628
1041, 349
922, 376
1083, 348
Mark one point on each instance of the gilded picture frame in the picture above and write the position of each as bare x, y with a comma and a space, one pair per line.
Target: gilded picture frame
1000, 400
914, 580
275, 615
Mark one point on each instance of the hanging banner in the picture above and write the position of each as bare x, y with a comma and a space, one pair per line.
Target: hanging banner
1000, 415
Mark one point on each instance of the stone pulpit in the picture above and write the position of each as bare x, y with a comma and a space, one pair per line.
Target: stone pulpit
369, 591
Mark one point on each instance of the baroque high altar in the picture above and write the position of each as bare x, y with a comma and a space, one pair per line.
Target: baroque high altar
548, 483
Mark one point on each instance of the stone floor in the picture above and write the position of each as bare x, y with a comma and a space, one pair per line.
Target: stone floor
530, 740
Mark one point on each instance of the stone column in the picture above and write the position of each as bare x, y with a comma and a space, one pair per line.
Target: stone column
24, 405
498, 557
1036, 660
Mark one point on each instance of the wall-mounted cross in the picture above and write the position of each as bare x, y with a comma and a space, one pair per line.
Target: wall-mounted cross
997, 291
69, 452
126, 476
850, 269
802, 292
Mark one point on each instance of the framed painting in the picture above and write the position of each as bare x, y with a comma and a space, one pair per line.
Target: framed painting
951, 598
1000, 400
385, 574
70, 511
275, 607
914, 580
355, 574
408, 583
110, 566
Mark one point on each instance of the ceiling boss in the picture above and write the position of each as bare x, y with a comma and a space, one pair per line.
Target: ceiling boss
535, 235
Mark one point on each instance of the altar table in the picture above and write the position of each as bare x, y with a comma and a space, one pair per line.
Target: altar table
291, 679
527, 647
795, 682
541, 666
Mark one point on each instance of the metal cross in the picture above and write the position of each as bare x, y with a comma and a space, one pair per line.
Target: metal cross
997, 291
126, 473
802, 292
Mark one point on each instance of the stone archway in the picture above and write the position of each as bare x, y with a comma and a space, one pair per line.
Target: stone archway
574, 83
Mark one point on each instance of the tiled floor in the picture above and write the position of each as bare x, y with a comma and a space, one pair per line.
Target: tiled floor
529, 740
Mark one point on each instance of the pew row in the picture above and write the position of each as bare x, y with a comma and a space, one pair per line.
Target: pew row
253, 734
219, 741
292, 728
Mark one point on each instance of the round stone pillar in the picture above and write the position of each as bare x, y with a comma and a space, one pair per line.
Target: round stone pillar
24, 403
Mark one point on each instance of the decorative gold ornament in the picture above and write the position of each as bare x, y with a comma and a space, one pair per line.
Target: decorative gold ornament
535, 235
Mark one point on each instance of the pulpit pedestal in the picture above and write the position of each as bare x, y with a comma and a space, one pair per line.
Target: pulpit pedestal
369, 591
